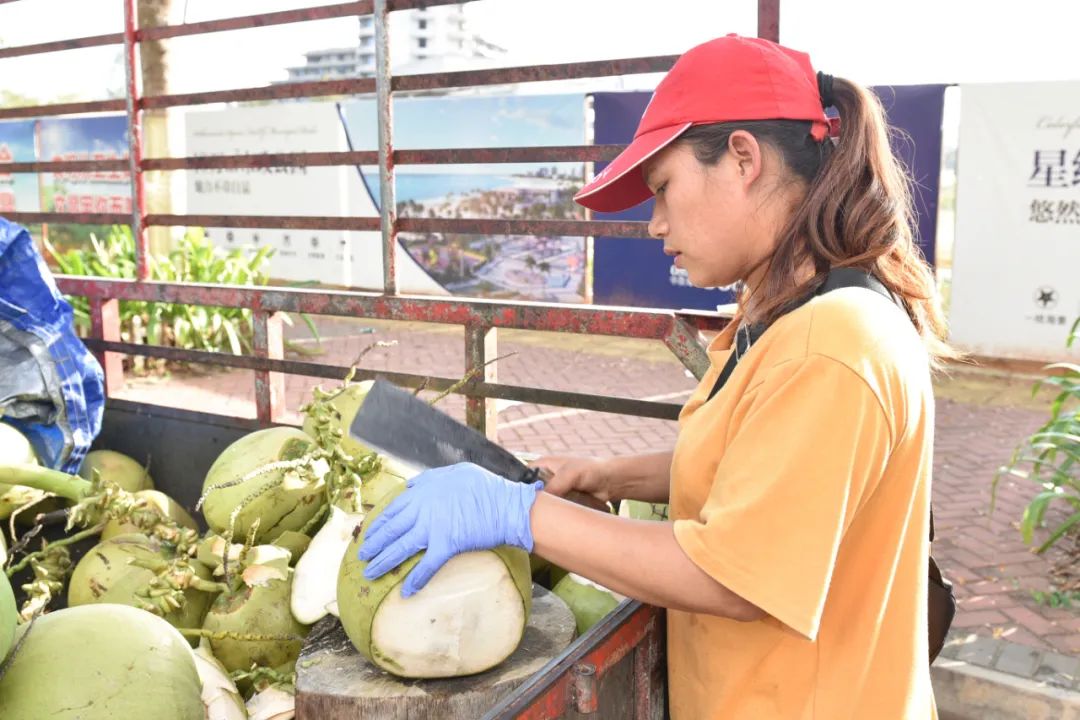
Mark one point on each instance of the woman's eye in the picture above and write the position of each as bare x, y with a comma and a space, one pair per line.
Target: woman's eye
661, 188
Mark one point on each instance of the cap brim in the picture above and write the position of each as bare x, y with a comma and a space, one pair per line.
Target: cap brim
621, 185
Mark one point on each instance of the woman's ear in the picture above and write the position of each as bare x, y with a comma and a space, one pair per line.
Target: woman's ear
745, 151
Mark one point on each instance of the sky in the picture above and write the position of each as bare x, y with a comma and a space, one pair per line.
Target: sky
873, 42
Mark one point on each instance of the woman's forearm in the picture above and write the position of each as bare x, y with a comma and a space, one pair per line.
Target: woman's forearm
639, 477
637, 558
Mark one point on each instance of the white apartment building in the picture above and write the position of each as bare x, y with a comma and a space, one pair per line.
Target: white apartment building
435, 38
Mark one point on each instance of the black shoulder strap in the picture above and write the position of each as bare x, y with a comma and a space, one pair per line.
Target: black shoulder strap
836, 279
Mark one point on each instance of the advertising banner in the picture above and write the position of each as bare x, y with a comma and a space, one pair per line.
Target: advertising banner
18, 191
636, 271
1016, 261
525, 267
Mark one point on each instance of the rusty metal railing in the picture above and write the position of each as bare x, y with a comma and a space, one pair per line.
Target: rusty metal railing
480, 318
572, 681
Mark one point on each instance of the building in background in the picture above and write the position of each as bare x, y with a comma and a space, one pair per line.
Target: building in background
421, 40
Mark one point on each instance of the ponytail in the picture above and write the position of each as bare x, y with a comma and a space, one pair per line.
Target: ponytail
857, 211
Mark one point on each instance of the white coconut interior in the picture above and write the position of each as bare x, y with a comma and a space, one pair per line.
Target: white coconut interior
315, 583
219, 694
467, 619
271, 704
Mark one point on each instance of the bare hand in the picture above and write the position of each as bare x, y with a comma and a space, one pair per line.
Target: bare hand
573, 477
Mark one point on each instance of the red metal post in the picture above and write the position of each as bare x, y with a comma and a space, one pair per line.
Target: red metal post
768, 20
134, 113
558, 685
385, 105
481, 346
650, 675
105, 325
269, 386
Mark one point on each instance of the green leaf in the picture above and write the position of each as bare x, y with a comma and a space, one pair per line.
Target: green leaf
234, 340
311, 326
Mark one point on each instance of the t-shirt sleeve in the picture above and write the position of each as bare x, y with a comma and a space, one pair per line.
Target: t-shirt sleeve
804, 446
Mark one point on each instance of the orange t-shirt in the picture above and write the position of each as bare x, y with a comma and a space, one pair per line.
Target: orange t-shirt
804, 487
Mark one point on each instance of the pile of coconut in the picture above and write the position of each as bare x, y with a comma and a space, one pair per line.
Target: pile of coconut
171, 619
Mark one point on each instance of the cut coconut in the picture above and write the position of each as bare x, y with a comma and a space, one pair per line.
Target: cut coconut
113, 572
315, 584
589, 601
297, 543
273, 703
252, 476
118, 468
469, 617
257, 606
101, 662
156, 502
219, 694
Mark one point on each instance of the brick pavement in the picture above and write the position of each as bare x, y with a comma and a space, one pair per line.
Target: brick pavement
994, 573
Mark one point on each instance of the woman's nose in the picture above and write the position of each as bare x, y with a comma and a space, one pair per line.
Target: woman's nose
657, 226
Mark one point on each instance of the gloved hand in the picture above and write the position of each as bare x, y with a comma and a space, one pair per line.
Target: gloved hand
446, 511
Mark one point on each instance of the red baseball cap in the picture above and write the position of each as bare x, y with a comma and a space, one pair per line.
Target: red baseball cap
731, 78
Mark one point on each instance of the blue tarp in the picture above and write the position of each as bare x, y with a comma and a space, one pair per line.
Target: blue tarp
51, 388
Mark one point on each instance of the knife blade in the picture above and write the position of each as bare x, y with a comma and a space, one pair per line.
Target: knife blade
392, 420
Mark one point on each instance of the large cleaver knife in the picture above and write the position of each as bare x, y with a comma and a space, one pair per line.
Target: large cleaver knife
396, 422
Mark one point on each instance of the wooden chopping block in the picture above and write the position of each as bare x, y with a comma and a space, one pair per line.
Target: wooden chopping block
335, 682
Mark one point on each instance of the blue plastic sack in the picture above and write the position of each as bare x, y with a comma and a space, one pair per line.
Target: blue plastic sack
51, 388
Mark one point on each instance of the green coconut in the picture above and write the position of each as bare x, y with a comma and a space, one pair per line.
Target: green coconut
154, 501
259, 605
9, 615
639, 510
118, 468
344, 405
108, 573
469, 617
295, 542
388, 481
588, 601
280, 499
101, 662
16, 449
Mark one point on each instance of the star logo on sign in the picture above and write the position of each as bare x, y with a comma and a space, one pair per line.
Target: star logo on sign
1046, 297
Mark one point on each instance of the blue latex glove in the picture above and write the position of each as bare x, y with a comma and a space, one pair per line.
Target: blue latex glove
446, 511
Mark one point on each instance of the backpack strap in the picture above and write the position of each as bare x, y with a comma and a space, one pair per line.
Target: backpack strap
837, 278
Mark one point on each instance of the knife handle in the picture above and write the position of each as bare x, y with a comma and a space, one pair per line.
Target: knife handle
589, 501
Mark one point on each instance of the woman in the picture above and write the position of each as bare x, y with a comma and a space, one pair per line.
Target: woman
794, 569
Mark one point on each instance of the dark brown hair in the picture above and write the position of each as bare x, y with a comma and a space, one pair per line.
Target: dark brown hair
857, 211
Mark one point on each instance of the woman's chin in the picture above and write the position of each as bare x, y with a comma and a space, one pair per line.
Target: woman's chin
699, 280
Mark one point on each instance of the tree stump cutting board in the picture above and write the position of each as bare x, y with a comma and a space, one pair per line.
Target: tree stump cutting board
335, 682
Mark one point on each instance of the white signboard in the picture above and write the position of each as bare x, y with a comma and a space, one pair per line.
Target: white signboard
1016, 264
349, 259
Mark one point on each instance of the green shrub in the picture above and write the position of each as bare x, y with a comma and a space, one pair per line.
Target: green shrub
194, 260
1050, 457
